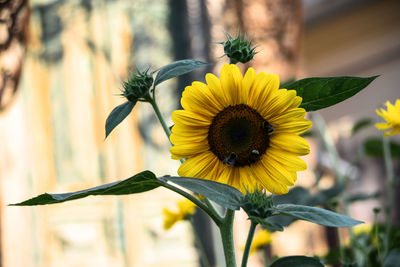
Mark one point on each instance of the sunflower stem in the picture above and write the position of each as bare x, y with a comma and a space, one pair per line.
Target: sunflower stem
248, 243
160, 117
212, 208
387, 155
226, 230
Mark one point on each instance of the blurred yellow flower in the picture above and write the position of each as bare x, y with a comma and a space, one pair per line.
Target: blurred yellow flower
260, 240
392, 118
185, 209
364, 228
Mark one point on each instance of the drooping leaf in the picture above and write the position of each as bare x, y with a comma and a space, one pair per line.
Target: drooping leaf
316, 215
361, 124
117, 115
177, 68
373, 147
221, 194
298, 261
139, 183
322, 92
265, 223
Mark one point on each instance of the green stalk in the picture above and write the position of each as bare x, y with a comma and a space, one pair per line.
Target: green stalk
248, 243
226, 230
387, 155
153, 103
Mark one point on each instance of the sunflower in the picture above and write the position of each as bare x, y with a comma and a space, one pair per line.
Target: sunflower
241, 131
392, 118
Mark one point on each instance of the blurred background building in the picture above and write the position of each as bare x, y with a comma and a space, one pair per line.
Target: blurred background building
61, 75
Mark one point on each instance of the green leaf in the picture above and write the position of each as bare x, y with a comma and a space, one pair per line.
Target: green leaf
318, 93
373, 147
221, 194
297, 261
265, 223
177, 68
361, 124
117, 115
393, 258
139, 183
316, 215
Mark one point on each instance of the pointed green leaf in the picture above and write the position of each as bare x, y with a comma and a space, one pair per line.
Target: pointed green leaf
298, 261
265, 223
221, 194
177, 68
139, 183
117, 115
318, 93
374, 147
316, 215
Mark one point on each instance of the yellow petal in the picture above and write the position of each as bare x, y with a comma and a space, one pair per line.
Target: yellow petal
383, 126
248, 81
291, 143
189, 118
292, 162
266, 180
278, 171
198, 98
295, 127
187, 150
204, 165
214, 85
264, 87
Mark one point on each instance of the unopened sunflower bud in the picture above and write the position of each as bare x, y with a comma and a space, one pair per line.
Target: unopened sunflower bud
238, 49
258, 204
137, 87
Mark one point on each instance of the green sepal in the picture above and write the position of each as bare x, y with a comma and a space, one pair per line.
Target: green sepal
298, 261
117, 115
322, 92
177, 68
220, 193
138, 183
374, 147
316, 215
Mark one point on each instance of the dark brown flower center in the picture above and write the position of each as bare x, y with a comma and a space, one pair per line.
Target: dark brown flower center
239, 135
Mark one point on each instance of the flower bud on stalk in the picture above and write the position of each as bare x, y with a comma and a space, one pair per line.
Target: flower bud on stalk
238, 49
138, 86
258, 204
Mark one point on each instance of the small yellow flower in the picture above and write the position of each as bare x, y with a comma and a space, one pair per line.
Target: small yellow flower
392, 118
185, 209
260, 240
